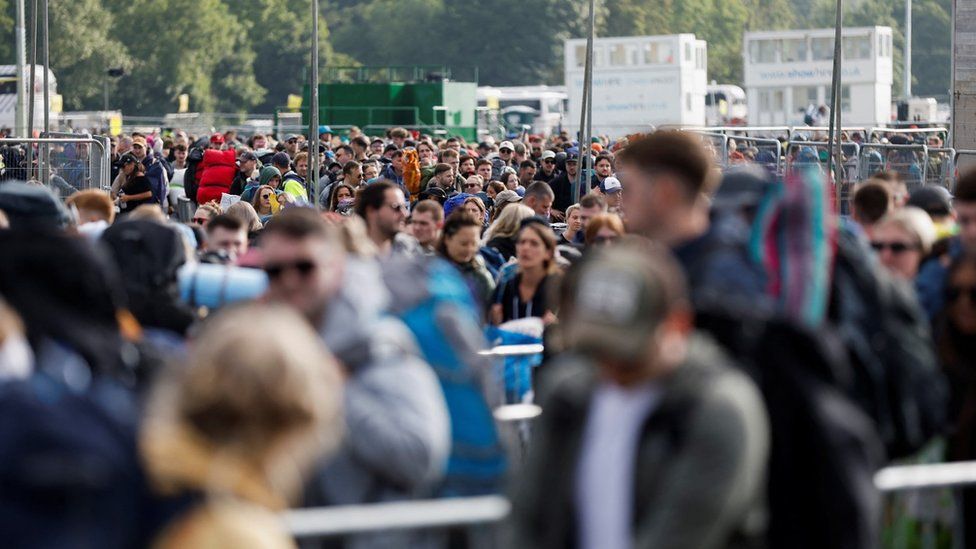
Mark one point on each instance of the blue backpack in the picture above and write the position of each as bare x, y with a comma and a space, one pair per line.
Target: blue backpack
432, 299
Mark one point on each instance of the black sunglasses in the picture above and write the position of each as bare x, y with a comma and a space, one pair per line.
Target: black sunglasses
303, 266
895, 247
263, 196
953, 293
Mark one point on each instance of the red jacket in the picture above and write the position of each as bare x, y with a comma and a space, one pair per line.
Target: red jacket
216, 171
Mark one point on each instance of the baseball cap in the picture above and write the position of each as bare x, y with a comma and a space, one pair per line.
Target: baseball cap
611, 185
217, 138
506, 145
935, 200
127, 158
139, 140
546, 155
619, 296
281, 158
572, 157
248, 155
291, 136
507, 196
323, 129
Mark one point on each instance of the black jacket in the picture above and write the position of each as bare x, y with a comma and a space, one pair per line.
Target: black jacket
562, 187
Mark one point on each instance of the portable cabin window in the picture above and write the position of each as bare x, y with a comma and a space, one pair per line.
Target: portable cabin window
618, 55
794, 50
857, 47
822, 49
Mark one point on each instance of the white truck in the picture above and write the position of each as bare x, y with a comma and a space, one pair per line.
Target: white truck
639, 82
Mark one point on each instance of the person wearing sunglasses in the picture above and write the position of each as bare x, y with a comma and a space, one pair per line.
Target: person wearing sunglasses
396, 422
266, 202
902, 239
384, 208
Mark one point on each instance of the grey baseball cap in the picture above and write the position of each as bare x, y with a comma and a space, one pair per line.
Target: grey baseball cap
618, 298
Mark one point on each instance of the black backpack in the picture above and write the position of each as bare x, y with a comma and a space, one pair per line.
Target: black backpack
148, 255
824, 449
897, 379
193, 160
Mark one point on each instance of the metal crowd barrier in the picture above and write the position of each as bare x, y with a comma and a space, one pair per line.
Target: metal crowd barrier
76, 163
490, 511
909, 161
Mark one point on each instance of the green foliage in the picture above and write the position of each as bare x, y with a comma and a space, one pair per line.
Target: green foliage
248, 55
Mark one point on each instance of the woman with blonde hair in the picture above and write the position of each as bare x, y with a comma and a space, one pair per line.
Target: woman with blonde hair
902, 239
241, 424
501, 234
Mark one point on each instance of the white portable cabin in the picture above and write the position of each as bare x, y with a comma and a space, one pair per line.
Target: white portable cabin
639, 82
788, 72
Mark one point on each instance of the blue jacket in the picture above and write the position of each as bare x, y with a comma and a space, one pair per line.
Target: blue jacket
930, 281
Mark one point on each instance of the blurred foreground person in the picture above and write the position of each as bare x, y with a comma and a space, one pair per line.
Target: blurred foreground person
648, 438
240, 425
397, 427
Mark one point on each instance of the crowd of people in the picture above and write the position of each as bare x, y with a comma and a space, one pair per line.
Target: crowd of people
727, 359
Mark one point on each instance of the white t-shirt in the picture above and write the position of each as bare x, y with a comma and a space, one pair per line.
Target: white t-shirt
605, 473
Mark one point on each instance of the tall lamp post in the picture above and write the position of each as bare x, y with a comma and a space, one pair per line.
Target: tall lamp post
586, 117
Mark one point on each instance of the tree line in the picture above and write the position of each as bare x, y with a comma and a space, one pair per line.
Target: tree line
248, 55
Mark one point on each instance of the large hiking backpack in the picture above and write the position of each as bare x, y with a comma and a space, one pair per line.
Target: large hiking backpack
158, 182
432, 299
824, 448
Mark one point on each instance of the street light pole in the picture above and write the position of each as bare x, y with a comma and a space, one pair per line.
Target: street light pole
834, 162
313, 111
20, 123
908, 49
586, 109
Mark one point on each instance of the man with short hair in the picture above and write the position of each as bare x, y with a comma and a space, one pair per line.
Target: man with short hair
591, 206
526, 173
384, 209
539, 197
396, 421
650, 436
871, 202
443, 179
562, 185
228, 235
427, 219
483, 168
360, 146
930, 282
344, 154
376, 146
399, 136
666, 174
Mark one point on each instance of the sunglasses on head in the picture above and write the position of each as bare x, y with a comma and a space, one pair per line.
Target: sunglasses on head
953, 293
895, 247
303, 266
